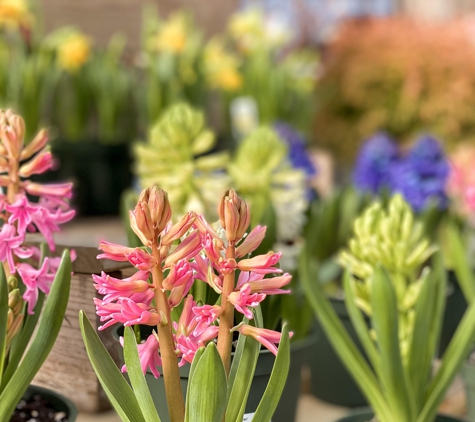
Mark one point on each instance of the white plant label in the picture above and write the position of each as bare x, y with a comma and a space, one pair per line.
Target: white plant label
248, 417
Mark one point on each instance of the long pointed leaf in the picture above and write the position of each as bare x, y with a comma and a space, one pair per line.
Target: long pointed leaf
115, 386
194, 364
3, 319
385, 323
137, 379
280, 370
342, 342
48, 330
456, 352
207, 396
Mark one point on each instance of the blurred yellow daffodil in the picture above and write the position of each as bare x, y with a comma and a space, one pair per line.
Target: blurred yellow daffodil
221, 67
172, 36
74, 51
14, 13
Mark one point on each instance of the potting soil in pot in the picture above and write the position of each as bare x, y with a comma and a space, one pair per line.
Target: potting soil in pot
37, 409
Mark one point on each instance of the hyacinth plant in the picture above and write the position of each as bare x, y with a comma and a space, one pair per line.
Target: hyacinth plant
172, 259
24, 284
397, 313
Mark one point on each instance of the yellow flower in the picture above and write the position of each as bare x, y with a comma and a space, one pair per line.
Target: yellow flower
172, 36
14, 13
74, 51
221, 67
247, 29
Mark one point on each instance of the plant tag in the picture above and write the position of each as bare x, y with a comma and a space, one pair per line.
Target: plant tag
248, 417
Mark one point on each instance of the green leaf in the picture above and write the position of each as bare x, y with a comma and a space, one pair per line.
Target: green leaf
207, 395
48, 330
342, 342
456, 353
462, 268
115, 386
421, 351
3, 319
240, 376
277, 380
385, 323
359, 323
196, 358
137, 379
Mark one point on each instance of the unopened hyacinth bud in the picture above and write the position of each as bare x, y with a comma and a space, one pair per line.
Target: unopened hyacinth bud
234, 215
15, 306
159, 207
12, 132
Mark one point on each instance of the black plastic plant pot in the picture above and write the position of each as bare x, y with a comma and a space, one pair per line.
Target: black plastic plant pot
366, 415
331, 381
455, 307
100, 174
287, 407
58, 402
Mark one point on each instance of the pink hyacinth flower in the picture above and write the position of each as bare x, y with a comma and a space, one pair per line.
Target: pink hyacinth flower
212, 248
20, 211
243, 299
176, 231
34, 280
187, 249
39, 164
188, 345
148, 354
268, 338
180, 274
114, 288
61, 190
259, 284
470, 198
261, 264
187, 322
251, 241
113, 251
205, 315
10, 243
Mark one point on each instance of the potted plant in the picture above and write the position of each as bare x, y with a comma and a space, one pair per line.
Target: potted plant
203, 333
405, 311
33, 293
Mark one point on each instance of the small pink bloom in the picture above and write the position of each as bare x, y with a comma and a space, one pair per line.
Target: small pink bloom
113, 251
179, 292
37, 144
63, 190
185, 250
200, 265
35, 280
270, 286
179, 229
114, 288
212, 248
39, 164
262, 264
10, 243
188, 345
180, 274
227, 265
187, 322
242, 300
251, 241
141, 259
205, 315
21, 211
267, 338
148, 354
204, 228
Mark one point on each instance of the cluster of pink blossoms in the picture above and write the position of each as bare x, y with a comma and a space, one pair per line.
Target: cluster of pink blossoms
189, 251
19, 214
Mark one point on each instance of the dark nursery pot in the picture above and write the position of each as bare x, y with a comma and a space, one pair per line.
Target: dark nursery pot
366, 415
468, 374
286, 409
100, 174
331, 381
455, 307
58, 402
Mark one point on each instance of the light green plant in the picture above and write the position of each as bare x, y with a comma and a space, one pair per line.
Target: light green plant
177, 158
405, 318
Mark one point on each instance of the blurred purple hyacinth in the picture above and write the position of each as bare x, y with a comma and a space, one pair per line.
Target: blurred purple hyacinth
421, 176
374, 160
298, 155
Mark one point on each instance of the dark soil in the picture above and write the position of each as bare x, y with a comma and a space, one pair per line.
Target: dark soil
37, 409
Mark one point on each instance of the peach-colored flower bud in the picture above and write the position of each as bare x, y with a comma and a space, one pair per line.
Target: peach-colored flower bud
159, 206
14, 327
142, 224
179, 229
39, 164
234, 215
185, 250
12, 132
37, 144
251, 242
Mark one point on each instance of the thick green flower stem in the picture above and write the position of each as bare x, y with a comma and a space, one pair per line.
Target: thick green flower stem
171, 375
226, 321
